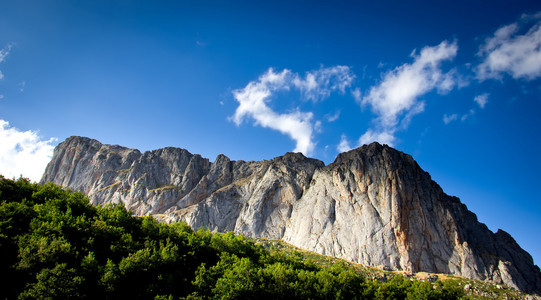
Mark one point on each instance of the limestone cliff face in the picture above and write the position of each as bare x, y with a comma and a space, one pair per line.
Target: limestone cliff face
373, 205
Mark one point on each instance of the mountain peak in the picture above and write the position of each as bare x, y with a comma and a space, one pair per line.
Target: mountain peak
373, 205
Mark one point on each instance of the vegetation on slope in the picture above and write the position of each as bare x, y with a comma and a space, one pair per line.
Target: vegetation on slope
54, 244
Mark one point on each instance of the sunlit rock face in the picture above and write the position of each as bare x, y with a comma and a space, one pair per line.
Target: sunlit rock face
373, 205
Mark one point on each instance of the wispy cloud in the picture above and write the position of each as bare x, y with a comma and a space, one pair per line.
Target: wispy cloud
357, 95
395, 100
449, 118
3, 53
319, 84
333, 117
23, 152
344, 144
514, 49
467, 115
481, 100
315, 85
454, 117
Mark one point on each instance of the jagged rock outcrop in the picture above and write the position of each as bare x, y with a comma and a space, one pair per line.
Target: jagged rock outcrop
373, 205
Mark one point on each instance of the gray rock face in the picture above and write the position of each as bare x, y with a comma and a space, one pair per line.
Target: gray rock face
373, 205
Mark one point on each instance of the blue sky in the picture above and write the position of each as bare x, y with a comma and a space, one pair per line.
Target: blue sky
456, 84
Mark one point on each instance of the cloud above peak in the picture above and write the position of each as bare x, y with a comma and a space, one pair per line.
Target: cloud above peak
396, 98
514, 49
343, 146
316, 85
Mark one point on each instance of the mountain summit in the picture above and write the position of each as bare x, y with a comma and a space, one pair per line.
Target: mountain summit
373, 205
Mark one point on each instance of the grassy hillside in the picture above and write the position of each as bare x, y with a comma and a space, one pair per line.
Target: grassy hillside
470, 289
54, 244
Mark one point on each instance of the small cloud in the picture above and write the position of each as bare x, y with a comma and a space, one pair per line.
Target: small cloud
23, 152
318, 126
447, 82
448, 119
331, 118
395, 100
344, 144
481, 100
22, 85
529, 17
511, 50
3, 54
318, 85
466, 116
383, 137
201, 44
1, 96
356, 93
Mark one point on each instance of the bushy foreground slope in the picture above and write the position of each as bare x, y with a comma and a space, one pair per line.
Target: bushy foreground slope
54, 244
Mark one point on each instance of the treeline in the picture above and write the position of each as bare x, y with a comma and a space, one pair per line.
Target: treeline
54, 244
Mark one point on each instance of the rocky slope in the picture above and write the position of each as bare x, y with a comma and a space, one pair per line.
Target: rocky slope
373, 205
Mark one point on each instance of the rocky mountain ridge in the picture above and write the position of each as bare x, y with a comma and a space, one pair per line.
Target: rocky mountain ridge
373, 205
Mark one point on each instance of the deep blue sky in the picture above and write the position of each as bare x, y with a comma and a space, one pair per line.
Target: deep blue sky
150, 74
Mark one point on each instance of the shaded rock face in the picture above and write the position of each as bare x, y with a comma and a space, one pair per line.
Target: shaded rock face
373, 205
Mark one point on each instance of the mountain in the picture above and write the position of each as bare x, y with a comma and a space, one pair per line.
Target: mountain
373, 205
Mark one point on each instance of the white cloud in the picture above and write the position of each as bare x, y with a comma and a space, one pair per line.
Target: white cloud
3, 53
316, 85
453, 117
297, 125
481, 100
319, 84
395, 100
333, 117
344, 144
509, 51
385, 136
448, 119
356, 93
23, 152
466, 116
318, 126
